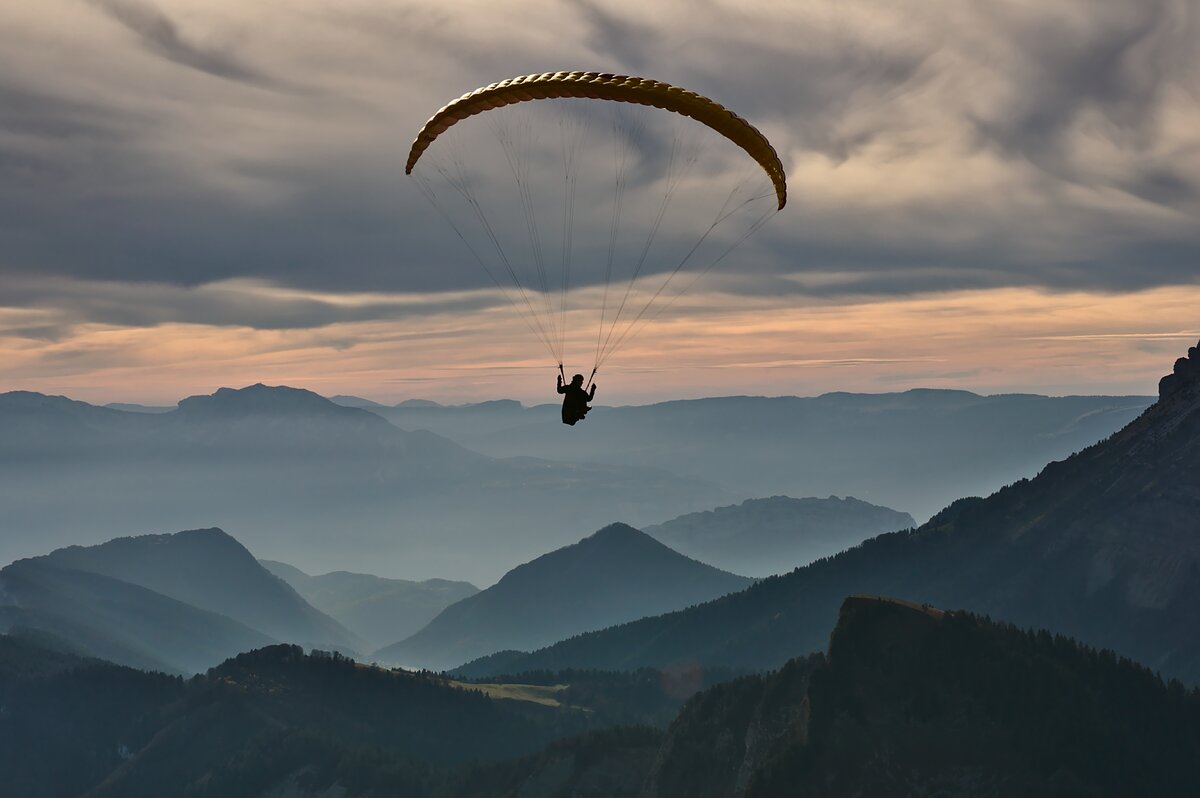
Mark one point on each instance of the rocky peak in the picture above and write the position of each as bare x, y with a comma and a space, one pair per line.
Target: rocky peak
1186, 375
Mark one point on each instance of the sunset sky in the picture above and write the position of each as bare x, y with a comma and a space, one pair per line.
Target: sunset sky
1000, 197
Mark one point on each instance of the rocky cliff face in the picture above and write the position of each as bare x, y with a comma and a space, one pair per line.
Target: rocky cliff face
1185, 377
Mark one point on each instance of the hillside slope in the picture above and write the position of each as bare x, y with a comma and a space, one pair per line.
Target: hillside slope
376, 609
269, 722
914, 701
1103, 546
117, 621
209, 569
614, 575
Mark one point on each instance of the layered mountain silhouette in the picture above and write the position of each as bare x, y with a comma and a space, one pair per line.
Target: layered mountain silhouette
298, 477
376, 609
916, 451
907, 700
208, 569
614, 575
1103, 546
117, 621
177, 603
760, 537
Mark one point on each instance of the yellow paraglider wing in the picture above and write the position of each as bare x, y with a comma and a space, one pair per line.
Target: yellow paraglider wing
617, 88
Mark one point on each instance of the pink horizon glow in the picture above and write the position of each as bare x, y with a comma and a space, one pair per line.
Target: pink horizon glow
994, 341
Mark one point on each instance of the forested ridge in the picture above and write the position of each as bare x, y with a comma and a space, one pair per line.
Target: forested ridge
906, 698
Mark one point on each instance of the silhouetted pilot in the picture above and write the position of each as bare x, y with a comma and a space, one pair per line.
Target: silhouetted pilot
575, 403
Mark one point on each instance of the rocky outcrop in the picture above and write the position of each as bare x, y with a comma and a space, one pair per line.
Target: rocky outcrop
1185, 376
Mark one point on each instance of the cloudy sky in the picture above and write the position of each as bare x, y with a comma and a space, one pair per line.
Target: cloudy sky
994, 196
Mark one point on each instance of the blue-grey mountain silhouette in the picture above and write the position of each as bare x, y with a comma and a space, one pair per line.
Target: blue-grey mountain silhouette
1103, 546
376, 609
118, 621
300, 478
613, 575
208, 569
761, 537
917, 451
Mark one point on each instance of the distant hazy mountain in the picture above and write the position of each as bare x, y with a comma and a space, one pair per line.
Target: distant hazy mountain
356, 401
297, 477
614, 575
208, 569
1103, 546
760, 537
916, 451
376, 609
114, 620
132, 408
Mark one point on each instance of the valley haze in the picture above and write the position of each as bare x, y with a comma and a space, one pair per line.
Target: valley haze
467, 492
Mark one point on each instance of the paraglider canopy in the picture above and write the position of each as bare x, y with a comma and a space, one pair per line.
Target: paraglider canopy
605, 86
665, 181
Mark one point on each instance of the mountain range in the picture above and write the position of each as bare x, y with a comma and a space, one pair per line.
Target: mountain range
177, 603
95, 615
907, 700
301, 479
916, 451
304, 480
614, 575
761, 537
898, 696
208, 569
1103, 546
376, 609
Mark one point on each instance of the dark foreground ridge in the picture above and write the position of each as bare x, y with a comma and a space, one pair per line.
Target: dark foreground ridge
908, 700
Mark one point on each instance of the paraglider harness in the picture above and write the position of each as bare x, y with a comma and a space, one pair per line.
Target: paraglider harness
575, 402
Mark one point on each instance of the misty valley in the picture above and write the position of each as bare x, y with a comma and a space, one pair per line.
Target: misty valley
264, 592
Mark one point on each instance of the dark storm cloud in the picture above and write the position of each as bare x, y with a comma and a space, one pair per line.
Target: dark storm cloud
1116, 64
1162, 186
625, 41
159, 34
145, 305
35, 114
862, 270
42, 137
308, 191
808, 83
